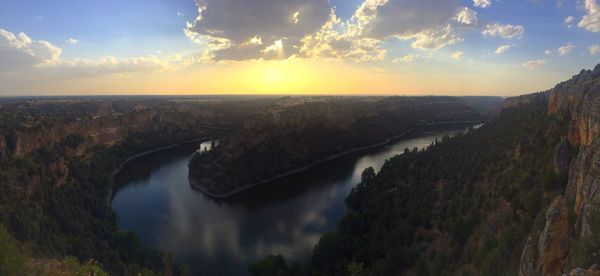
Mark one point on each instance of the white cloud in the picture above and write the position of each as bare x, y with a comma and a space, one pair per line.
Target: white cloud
548, 52
466, 16
407, 58
72, 41
18, 51
436, 38
566, 49
108, 65
503, 48
458, 55
594, 49
568, 21
428, 24
340, 40
503, 31
482, 3
226, 29
591, 21
533, 64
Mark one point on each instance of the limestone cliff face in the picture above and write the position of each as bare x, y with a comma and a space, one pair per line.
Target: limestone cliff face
524, 100
548, 254
553, 246
576, 102
105, 131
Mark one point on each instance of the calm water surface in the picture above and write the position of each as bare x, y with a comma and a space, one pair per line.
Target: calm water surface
221, 237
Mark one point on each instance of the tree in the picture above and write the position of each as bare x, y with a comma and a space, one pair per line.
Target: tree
13, 261
274, 266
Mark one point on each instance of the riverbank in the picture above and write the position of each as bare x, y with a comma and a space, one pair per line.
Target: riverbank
197, 186
151, 151
145, 153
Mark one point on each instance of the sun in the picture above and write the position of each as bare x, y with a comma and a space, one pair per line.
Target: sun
274, 76
277, 77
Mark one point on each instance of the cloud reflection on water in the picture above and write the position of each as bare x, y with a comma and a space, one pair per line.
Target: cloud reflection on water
221, 237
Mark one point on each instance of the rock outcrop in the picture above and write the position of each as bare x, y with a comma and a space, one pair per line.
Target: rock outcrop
105, 131
528, 264
594, 270
549, 255
575, 104
524, 100
553, 246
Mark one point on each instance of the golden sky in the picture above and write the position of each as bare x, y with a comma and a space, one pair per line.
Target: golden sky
367, 47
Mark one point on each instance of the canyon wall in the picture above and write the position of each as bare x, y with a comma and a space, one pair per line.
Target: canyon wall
99, 130
575, 106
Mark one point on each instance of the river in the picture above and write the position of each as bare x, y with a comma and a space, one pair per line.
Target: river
284, 217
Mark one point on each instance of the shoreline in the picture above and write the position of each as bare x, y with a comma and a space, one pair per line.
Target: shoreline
142, 154
153, 150
197, 186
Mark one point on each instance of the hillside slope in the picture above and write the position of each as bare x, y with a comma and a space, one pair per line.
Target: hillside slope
295, 137
517, 196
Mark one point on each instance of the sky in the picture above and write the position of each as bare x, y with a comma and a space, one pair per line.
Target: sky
358, 47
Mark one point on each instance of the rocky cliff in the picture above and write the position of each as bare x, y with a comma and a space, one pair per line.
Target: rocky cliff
95, 131
575, 102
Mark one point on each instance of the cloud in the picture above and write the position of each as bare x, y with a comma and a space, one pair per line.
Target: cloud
533, 64
565, 50
108, 65
482, 3
230, 30
436, 38
503, 31
72, 41
407, 58
403, 18
503, 48
428, 24
458, 55
339, 40
226, 27
594, 49
548, 52
591, 21
568, 21
19, 51
466, 16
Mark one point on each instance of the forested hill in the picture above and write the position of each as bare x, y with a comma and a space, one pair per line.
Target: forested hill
516, 196
297, 136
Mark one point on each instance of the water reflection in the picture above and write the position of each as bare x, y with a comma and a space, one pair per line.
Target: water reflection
220, 237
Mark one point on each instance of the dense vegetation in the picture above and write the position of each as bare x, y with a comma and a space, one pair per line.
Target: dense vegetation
73, 218
299, 135
14, 260
54, 196
465, 205
55, 199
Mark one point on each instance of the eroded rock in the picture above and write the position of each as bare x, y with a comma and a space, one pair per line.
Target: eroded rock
553, 246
